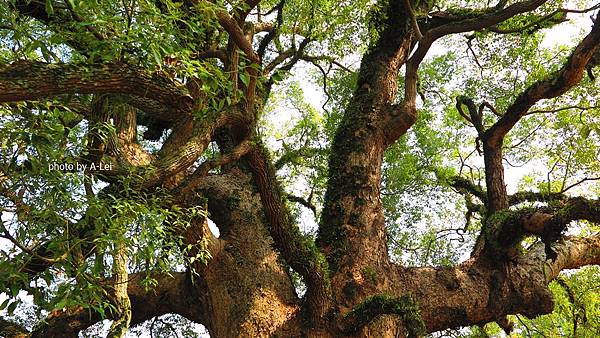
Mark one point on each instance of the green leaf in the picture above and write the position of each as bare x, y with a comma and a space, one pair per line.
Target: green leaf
49, 7
277, 76
12, 307
245, 78
4, 304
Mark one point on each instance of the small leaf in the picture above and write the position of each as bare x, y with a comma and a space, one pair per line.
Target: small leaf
4, 304
245, 78
11, 308
585, 131
49, 8
277, 76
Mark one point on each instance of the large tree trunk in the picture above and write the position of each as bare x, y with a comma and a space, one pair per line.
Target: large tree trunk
249, 292
353, 289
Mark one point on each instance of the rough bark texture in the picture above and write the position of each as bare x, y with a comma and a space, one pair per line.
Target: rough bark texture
248, 292
353, 289
352, 226
122, 303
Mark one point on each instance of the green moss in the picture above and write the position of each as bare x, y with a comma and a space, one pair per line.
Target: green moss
404, 306
504, 233
369, 274
233, 202
466, 13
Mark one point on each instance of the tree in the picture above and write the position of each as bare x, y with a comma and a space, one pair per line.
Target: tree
106, 223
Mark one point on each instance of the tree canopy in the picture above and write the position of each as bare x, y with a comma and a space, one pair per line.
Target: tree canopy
299, 168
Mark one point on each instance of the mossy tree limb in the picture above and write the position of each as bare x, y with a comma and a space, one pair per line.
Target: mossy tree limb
299, 251
504, 230
404, 306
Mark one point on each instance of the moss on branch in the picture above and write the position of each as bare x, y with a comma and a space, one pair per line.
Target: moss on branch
504, 230
367, 311
464, 185
298, 250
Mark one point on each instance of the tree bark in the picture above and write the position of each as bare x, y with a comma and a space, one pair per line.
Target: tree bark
245, 288
248, 292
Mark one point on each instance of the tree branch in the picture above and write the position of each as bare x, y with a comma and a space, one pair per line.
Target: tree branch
302, 201
214, 53
404, 306
475, 116
272, 34
237, 34
554, 18
572, 253
555, 85
165, 169
263, 26
194, 180
546, 111
530, 196
464, 185
477, 22
475, 293
26, 80
506, 229
413, 20
171, 295
298, 250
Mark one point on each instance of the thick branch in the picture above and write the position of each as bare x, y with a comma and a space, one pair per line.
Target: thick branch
506, 229
120, 294
237, 34
475, 293
166, 170
557, 84
171, 295
530, 196
474, 115
25, 80
573, 253
193, 181
464, 185
213, 53
298, 250
272, 34
404, 306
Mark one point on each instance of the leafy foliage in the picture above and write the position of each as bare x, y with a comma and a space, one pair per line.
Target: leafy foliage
76, 219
